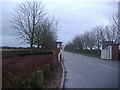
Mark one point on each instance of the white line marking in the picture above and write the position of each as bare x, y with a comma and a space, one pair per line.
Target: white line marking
85, 59
108, 67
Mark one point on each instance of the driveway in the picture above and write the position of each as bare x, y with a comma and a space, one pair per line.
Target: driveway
89, 72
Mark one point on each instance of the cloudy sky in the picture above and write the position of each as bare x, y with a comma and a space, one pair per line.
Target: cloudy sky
75, 17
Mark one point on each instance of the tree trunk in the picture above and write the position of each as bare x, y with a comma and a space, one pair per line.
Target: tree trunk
98, 47
31, 45
38, 46
91, 48
86, 47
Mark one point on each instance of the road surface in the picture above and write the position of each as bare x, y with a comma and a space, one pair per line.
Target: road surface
89, 72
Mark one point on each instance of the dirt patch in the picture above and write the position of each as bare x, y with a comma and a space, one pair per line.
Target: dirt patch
55, 78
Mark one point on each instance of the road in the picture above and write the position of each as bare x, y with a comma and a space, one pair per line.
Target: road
89, 72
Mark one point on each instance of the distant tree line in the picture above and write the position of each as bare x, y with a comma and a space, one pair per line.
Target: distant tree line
34, 26
95, 37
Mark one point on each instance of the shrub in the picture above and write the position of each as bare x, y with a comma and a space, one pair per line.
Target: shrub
16, 71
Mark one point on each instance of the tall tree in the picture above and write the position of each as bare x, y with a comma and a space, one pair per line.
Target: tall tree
115, 27
92, 40
26, 18
99, 36
78, 42
45, 34
69, 46
86, 40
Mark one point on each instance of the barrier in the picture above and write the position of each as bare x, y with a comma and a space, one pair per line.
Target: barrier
111, 52
105, 54
59, 50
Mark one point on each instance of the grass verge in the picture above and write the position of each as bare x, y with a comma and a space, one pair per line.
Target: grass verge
87, 54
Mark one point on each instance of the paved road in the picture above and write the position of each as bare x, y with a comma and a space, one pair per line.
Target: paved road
90, 72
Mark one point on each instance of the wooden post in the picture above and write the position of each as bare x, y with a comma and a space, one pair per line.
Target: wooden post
39, 77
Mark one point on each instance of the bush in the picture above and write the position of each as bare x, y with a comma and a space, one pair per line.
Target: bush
16, 71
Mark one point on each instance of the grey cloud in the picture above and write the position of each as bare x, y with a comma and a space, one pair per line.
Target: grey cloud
74, 18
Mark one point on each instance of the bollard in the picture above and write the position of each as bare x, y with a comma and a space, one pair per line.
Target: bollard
39, 77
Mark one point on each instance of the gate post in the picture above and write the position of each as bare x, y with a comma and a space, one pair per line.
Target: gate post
59, 50
114, 51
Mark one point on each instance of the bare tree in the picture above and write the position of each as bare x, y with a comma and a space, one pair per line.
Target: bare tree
107, 33
115, 27
92, 40
45, 34
99, 36
69, 46
78, 42
26, 18
86, 40
111, 33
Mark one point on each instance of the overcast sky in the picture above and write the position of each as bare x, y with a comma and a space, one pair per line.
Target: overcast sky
74, 18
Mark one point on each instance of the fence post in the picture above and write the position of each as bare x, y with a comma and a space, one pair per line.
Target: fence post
39, 77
